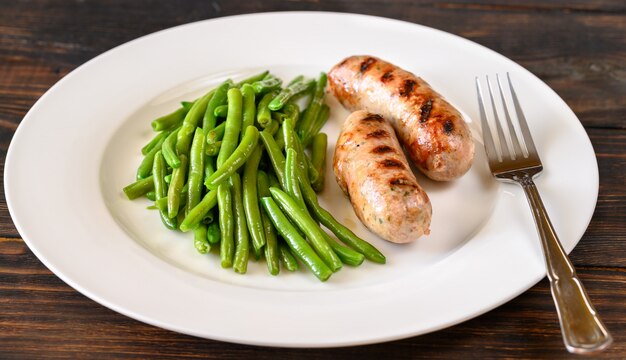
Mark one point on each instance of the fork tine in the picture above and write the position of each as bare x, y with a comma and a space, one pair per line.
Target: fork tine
490, 147
504, 145
528, 139
517, 150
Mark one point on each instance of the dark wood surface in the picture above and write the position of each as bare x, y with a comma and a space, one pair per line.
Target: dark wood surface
577, 47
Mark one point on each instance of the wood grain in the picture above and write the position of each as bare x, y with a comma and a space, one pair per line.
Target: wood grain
41, 313
577, 47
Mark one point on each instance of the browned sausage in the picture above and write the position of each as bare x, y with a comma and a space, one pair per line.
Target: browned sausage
431, 130
372, 170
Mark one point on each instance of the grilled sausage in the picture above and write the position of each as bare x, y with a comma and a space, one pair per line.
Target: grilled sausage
372, 170
432, 131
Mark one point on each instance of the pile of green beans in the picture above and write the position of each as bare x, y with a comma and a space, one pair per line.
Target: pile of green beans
240, 167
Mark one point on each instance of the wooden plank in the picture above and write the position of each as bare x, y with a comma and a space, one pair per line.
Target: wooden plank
604, 243
579, 53
41, 313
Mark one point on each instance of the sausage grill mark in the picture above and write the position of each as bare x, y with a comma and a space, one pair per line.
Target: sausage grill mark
373, 118
401, 181
378, 134
448, 126
407, 87
382, 149
391, 164
425, 110
366, 64
388, 76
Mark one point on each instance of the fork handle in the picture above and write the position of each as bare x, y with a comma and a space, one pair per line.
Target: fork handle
582, 329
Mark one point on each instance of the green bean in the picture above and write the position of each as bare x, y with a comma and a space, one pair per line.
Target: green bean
309, 227
196, 170
269, 83
298, 245
187, 104
195, 215
213, 233
309, 91
216, 134
209, 166
271, 241
311, 171
271, 245
249, 106
219, 97
273, 180
139, 188
278, 116
151, 195
169, 150
213, 149
188, 152
160, 188
347, 255
236, 160
145, 167
288, 134
321, 120
263, 113
183, 140
279, 138
250, 199
200, 241
312, 111
318, 159
343, 233
180, 216
176, 185
287, 93
291, 178
161, 204
169, 121
154, 142
233, 126
242, 238
292, 111
227, 224
291, 142
272, 128
209, 217
287, 258
275, 155
221, 111
252, 79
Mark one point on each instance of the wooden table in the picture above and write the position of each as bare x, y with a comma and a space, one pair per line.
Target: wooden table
577, 47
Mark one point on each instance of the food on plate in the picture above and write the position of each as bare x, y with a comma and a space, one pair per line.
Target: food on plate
432, 131
372, 170
231, 166
317, 113
318, 158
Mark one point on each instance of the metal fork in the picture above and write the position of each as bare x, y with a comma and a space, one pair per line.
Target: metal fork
582, 329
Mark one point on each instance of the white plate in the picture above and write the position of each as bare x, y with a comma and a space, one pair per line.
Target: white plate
78, 146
